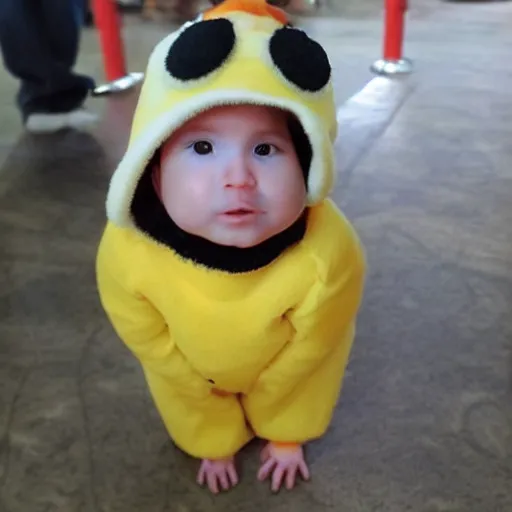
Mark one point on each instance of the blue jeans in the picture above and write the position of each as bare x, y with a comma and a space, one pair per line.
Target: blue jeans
39, 41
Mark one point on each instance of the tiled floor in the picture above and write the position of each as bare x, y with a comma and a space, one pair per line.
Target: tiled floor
425, 420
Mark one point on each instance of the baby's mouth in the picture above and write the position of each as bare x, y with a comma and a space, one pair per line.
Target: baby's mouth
240, 216
240, 211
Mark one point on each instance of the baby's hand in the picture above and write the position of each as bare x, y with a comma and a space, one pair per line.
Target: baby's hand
213, 472
283, 462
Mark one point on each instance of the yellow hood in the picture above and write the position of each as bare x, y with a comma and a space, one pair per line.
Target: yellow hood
239, 56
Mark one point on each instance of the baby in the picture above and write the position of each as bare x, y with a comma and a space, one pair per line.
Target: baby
223, 266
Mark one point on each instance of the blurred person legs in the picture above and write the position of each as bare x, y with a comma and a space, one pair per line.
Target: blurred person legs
85, 12
39, 40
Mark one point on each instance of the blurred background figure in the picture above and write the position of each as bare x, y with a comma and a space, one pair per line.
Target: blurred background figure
171, 10
184, 10
179, 11
39, 41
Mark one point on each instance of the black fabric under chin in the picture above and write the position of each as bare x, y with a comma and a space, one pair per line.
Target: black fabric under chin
152, 218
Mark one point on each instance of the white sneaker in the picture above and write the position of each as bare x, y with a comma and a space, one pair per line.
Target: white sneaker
50, 123
81, 118
46, 123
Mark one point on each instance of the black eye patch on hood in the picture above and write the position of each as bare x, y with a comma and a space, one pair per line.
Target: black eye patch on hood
201, 49
300, 59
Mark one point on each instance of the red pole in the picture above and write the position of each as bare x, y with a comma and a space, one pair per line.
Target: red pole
108, 23
394, 29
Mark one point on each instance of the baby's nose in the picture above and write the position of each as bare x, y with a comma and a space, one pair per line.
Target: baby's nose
239, 174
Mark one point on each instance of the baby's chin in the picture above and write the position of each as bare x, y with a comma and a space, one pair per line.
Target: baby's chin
243, 235
240, 239
244, 238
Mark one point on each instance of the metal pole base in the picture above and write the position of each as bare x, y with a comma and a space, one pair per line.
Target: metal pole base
392, 67
121, 84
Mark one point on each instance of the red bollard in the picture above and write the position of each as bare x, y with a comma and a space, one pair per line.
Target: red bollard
393, 61
108, 23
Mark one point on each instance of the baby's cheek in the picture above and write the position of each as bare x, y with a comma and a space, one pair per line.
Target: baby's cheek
199, 191
191, 203
285, 190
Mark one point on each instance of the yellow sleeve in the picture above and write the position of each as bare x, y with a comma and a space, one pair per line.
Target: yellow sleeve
293, 399
202, 424
139, 325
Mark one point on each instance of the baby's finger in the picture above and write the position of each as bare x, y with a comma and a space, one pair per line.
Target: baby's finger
223, 478
304, 470
290, 477
212, 482
277, 478
233, 476
265, 453
201, 476
266, 469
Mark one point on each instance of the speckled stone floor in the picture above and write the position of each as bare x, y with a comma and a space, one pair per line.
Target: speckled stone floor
425, 419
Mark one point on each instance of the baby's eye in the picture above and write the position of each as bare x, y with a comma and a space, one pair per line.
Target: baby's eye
202, 147
264, 149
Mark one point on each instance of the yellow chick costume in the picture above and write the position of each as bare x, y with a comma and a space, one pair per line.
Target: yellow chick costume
274, 338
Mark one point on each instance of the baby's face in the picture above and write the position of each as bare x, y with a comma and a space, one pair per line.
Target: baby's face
231, 175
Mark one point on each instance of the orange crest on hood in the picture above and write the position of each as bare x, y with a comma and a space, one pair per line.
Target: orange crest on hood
256, 7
